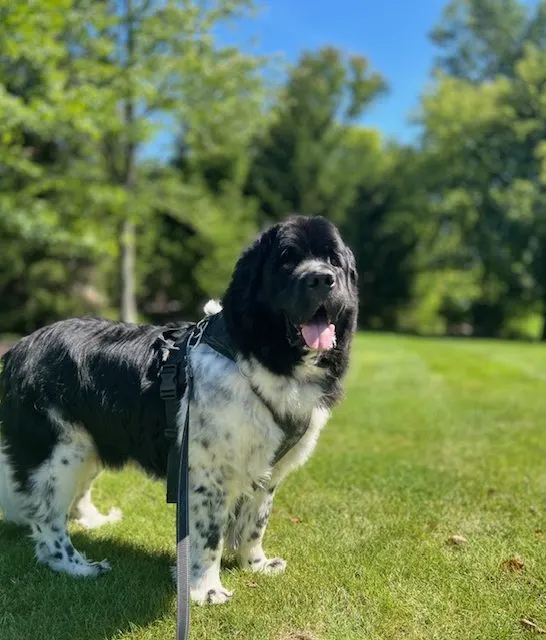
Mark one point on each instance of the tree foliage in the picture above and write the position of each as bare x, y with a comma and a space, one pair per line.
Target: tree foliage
449, 232
81, 83
305, 161
484, 125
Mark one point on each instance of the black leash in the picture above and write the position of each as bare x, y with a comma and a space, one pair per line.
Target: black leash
183, 530
171, 387
177, 379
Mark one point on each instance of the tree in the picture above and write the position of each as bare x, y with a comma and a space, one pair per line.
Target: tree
304, 162
107, 69
50, 236
483, 126
480, 39
384, 225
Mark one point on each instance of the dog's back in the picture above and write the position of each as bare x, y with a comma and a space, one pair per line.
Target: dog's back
77, 396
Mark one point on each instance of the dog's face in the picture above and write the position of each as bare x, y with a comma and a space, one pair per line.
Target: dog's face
293, 292
308, 279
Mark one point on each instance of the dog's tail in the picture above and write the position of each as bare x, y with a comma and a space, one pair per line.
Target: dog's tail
212, 307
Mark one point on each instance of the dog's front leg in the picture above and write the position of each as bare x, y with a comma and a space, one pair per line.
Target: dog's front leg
252, 519
208, 514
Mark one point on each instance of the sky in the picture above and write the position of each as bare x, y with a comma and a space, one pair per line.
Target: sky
392, 34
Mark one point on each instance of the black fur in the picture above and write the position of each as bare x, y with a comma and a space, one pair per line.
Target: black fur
104, 375
87, 388
264, 293
100, 374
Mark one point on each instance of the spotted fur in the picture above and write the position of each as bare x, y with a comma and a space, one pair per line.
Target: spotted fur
82, 394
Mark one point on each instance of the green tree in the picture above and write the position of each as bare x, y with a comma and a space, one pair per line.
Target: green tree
483, 127
304, 163
98, 75
480, 39
50, 240
384, 226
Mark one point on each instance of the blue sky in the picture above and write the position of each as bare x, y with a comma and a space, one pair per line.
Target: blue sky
392, 34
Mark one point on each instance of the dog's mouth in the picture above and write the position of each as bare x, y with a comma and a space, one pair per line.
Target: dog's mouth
318, 333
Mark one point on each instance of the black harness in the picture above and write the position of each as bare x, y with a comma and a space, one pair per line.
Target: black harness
176, 379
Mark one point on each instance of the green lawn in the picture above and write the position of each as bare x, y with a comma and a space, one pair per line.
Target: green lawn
436, 438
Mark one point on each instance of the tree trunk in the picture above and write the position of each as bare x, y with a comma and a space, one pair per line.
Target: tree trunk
128, 307
127, 237
543, 335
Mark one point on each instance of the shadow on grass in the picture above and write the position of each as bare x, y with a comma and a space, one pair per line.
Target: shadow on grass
40, 604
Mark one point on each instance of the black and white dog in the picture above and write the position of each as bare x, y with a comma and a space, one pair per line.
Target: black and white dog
83, 394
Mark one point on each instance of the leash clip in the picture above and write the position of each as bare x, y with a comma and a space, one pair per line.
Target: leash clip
197, 333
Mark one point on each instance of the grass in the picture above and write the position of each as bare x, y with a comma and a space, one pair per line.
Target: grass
436, 438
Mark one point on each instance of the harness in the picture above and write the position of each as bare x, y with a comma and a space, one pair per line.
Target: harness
176, 378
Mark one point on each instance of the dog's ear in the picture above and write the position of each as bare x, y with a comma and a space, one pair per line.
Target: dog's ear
242, 292
351, 263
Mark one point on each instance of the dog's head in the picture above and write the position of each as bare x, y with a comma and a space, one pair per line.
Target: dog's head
293, 292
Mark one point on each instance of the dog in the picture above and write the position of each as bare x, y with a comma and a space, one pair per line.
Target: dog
82, 394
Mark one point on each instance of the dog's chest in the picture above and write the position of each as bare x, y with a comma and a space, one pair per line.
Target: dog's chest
244, 414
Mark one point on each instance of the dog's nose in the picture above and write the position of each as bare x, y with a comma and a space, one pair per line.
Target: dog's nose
320, 282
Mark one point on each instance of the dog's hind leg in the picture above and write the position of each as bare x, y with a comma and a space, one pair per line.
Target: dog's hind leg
10, 503
84, 512
47, 497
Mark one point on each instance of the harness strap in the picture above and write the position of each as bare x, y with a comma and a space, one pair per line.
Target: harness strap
175, 374
293, 429
172, 382
178, 465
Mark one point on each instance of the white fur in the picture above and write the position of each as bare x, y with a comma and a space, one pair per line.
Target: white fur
61, 485
9, 502
233, 439
212, 307
242, 438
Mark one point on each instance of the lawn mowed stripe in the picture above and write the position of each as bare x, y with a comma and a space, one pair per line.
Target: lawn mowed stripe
435, 438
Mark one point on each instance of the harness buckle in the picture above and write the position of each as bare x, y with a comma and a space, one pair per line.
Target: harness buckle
167, 386
171, 434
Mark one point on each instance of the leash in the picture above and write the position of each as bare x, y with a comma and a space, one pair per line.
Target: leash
178, 467
175, 373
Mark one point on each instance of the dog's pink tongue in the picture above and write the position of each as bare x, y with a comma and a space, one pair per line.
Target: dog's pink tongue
319, 335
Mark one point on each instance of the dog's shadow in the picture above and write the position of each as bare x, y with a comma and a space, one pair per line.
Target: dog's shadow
40, 604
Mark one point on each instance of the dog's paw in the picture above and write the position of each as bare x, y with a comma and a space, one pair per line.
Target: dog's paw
80, 567
271, 566
206, 594
217, 595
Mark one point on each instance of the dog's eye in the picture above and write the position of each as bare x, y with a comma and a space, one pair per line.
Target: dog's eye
287, 266
334, 261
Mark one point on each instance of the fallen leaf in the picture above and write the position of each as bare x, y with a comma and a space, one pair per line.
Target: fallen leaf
532, 626
457, 541
539, 533
295, 520
513, 564
251, 584
297, 635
